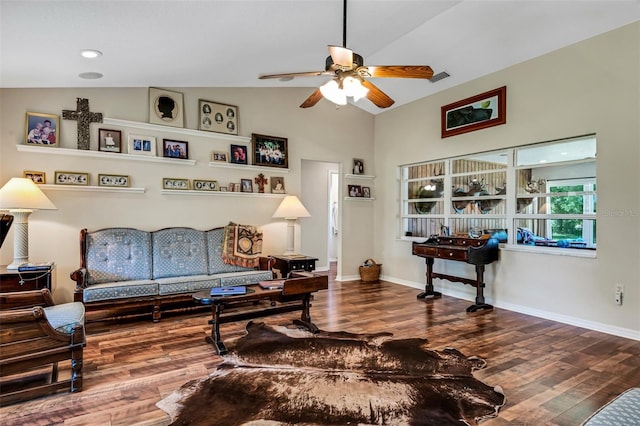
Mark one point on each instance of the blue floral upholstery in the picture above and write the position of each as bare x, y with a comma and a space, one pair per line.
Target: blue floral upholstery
187, 284
118, 254
249, 277
179, 252
120, 290
216, 266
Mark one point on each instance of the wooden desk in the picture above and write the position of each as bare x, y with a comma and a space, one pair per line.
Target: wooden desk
291, 263
478, 252
258, 302
12, 280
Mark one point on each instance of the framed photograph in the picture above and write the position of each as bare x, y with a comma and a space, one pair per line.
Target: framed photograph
38, 178
247, 185
175, 149
215, 117
71, 178
355, 191
166, 107
205, 185
175, 183
487, 109
42, 129
142, 145
358, 166
366, 192
270, 151
223, 189
113, 180
109, 140
277, 185
220, 156
238, 154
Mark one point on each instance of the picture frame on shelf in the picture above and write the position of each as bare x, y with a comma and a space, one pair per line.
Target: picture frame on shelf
223, 189
42, 129
484, 110
120, 181
166, 107
277, 185
175, 149
232, 187
175, 183
246, 185
358, 166
205, 185
355, 191
219, 156
72, 178
39, 178
366, 192
270, 151
109, 140
142, 145
217, 117
238, 154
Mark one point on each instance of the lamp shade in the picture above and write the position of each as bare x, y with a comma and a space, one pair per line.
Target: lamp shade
291, 208
23, 194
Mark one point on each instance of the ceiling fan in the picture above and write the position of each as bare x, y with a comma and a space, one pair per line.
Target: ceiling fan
349, 75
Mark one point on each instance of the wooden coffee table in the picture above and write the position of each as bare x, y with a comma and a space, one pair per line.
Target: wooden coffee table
295, 295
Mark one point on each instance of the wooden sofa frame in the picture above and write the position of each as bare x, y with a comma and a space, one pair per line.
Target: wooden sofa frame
28, 342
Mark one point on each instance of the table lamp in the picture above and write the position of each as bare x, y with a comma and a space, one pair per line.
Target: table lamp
291, 209
20, 196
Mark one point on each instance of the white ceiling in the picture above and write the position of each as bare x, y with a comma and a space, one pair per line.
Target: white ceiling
215, 43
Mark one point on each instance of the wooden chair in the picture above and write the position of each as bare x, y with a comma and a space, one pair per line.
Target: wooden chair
35, 333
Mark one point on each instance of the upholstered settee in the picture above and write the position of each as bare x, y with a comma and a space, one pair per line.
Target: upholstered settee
127, 271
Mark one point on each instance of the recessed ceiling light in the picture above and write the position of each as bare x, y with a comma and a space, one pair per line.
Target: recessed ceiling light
90, 53
90, 75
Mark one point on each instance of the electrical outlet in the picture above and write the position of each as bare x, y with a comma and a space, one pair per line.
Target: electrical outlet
619, 293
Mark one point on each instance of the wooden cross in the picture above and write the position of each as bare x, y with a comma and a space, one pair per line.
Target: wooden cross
84, 117
260, 181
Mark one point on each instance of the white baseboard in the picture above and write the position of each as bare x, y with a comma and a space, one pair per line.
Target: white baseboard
564, 319
348, 278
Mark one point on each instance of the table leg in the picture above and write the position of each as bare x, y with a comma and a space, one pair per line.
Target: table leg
480, 302
429, 292
215, 339
305, 316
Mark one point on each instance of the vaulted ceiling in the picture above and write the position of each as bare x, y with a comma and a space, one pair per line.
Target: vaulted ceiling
214, 43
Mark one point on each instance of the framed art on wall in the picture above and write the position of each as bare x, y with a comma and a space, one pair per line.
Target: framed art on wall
358, 166
487, 109
216, 117
220, 156
205, 185
175, 183
71, 178
42, 129
142, 145
270, 151
355, 191
238, 154
277, 185
247, 185
109, 140
113, 180
37, 177
166, 107
175, 149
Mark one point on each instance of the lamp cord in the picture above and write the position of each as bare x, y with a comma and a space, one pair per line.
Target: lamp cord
23, 279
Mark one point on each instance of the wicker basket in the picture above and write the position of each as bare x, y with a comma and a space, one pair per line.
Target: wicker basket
370, 271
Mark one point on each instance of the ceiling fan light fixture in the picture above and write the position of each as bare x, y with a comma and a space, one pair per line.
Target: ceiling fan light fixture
353, 88
332, 92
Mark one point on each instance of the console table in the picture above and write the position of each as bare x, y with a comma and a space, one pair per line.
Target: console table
12, 280
295, 262
478, 252
295, 295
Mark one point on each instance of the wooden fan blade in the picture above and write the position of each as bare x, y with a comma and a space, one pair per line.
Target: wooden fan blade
312, 100
296, 74
377, 96
341, 56
397, 71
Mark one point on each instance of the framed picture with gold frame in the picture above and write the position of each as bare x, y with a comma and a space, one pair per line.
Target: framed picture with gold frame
216, 117
38, 178
166, 107
71, 178
42, 129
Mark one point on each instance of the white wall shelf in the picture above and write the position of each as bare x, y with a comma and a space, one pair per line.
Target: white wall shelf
248, 167
222, 193
352, 176
88, 188
101, 154
174, 130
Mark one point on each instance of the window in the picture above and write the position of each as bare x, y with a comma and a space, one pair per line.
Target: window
541, 195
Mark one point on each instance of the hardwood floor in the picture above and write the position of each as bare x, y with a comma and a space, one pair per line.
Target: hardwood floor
552, 374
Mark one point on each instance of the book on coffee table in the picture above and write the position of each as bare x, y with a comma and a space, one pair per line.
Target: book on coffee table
271, 284
228, 290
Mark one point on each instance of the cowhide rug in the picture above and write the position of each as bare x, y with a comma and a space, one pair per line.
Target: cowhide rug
276, 375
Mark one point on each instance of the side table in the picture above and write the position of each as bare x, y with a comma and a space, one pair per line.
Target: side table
11, 280
295, 262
